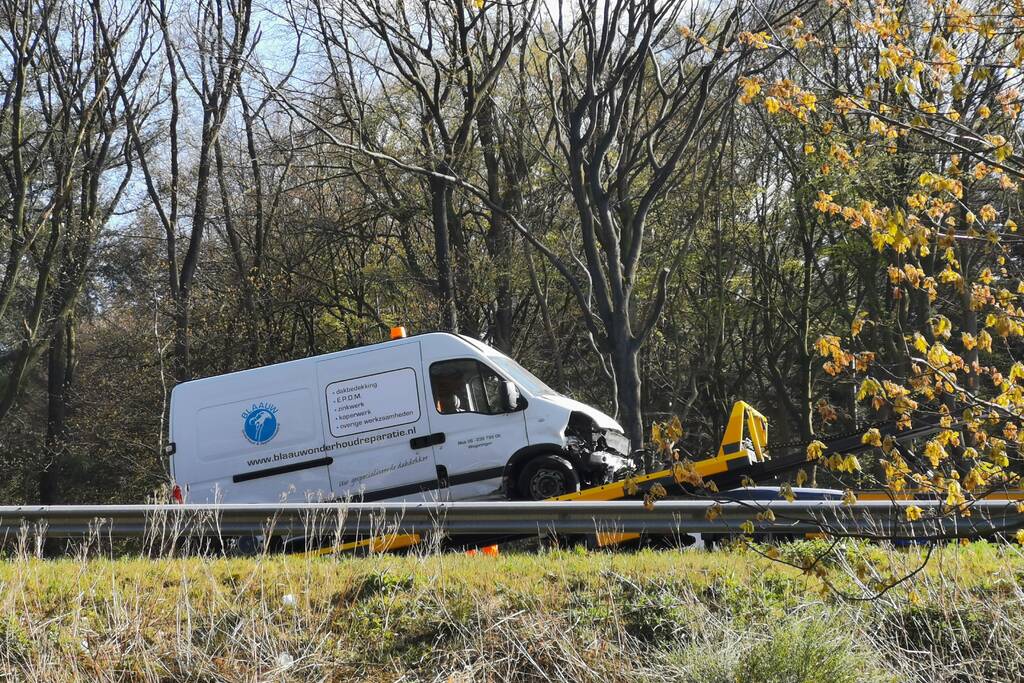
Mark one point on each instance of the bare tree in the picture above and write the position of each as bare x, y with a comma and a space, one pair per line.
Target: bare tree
59, 116
639, 100
429, 75
203, 74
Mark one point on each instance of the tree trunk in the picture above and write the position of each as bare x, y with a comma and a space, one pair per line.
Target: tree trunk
182, 366
627, 389
439, 192
59, 372
499, 237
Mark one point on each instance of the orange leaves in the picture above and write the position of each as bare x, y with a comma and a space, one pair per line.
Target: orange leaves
955, 497
880, 392
863, 360
843, 463
815, 449
934, 451
786, 491
936, 182
780, 96
872, 437
1004, 323
840, 153
829, 345
843, 105
857, 324
653, 494
981, 295
913, 276
870, 387
794, 26
917, 201
664, 435
985, 341
824, 203
938, 240
941, 327
896, 472
999, 147
750, 88
758, 41
826, 411
686, 473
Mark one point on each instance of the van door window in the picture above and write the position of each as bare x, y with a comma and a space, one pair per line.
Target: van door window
466, 385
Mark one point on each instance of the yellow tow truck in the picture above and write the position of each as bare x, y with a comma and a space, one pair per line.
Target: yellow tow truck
744, 443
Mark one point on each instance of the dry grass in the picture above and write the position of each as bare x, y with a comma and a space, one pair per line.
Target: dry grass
572, 616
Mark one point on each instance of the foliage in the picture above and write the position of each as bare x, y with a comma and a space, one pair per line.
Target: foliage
723, 616
927, 98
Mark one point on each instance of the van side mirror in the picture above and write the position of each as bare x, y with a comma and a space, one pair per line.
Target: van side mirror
510, 396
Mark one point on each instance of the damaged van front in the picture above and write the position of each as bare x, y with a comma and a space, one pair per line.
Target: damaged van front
571, 444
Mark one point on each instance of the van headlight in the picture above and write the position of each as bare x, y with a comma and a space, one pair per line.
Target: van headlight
616, 441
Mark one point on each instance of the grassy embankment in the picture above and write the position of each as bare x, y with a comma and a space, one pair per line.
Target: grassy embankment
690, 615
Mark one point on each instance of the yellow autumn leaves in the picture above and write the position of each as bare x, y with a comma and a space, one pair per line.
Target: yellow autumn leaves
830, 346
836, 461
664, 435
782, 95
815, 449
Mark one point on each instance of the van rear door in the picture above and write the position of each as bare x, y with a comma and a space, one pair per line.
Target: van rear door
375, 421
260, 446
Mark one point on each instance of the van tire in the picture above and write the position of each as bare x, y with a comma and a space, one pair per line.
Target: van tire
547, 476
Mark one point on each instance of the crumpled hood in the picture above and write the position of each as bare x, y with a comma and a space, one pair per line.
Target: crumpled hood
600, 419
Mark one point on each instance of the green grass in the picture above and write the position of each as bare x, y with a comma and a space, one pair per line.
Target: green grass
730, 615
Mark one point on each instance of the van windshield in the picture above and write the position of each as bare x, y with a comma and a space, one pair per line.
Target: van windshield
523, 377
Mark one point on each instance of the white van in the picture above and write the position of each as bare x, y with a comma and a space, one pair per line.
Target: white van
433, 416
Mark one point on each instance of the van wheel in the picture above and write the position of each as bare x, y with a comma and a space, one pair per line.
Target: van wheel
546, 477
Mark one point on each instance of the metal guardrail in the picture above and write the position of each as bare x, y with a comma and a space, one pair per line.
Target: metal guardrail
877, 519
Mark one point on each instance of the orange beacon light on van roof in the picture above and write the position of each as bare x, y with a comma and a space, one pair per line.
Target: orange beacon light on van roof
398, 332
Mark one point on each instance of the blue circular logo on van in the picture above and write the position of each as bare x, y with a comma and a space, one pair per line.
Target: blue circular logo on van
260, 423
